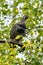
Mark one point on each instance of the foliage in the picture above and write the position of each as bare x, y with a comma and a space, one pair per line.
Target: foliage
11, 12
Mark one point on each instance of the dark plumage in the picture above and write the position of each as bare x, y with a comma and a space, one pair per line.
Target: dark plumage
18, 28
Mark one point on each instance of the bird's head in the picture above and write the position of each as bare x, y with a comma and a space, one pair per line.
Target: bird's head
25, 17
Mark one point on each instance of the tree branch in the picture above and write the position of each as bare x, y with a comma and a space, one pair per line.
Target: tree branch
2, 41
12, 42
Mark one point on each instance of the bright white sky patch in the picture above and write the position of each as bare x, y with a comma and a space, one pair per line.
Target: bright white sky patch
21, 56
10, 2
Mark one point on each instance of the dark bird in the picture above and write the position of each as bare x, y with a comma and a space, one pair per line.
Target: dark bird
19, 28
